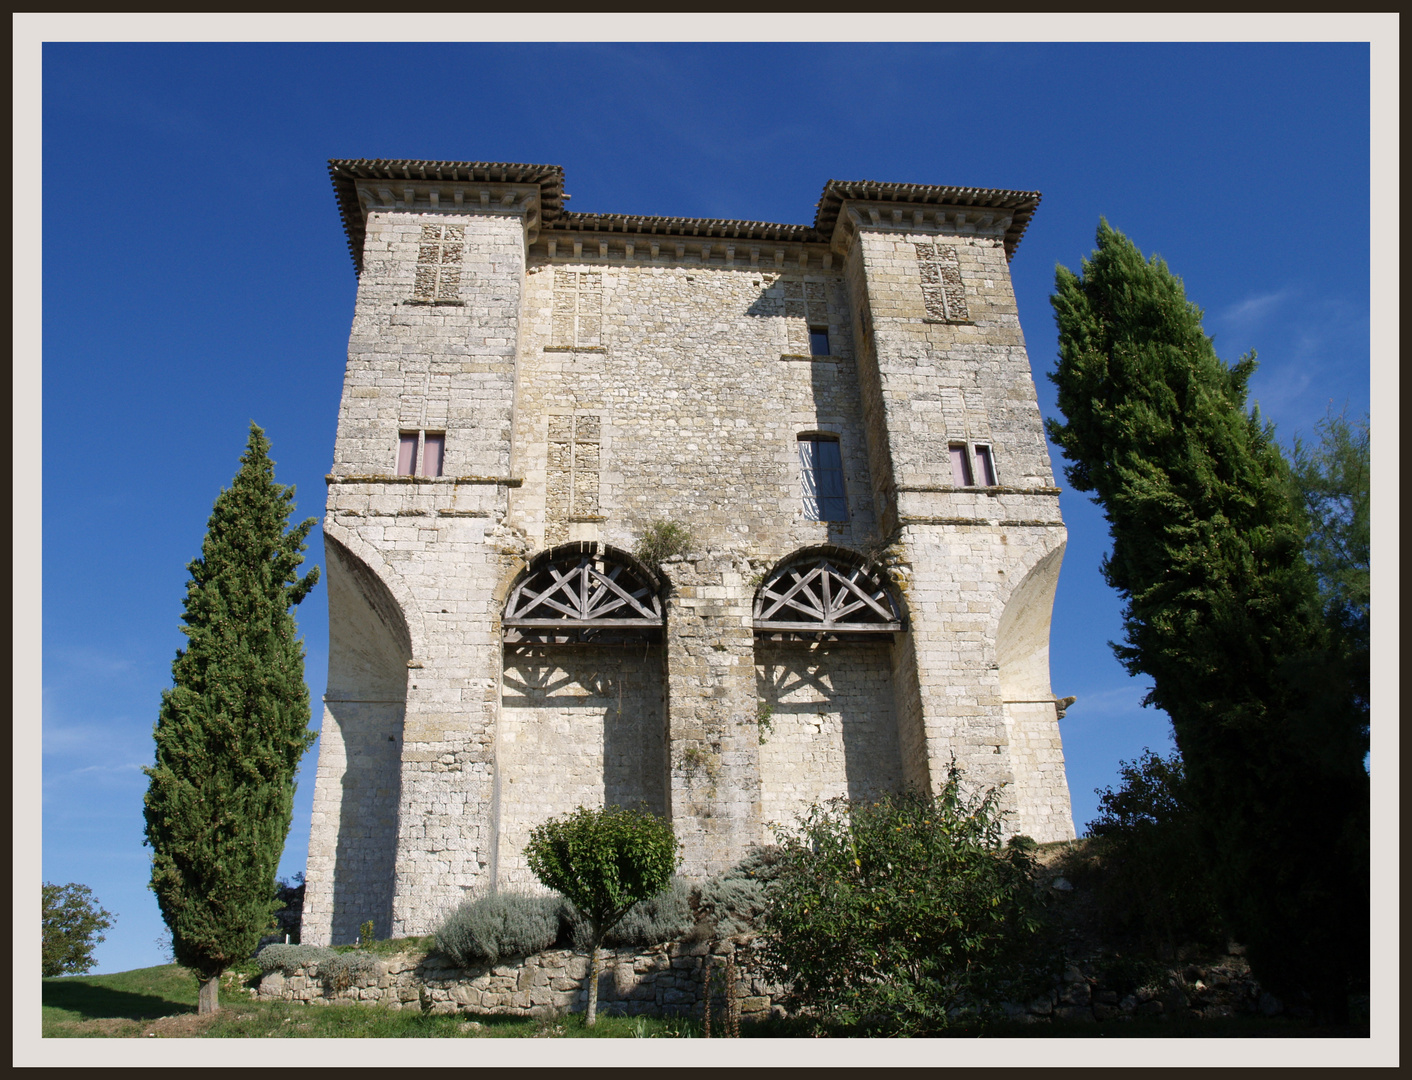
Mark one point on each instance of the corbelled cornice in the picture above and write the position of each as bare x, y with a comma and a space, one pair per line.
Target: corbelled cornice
452, 186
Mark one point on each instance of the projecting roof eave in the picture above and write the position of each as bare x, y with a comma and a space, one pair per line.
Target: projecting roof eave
346, 172
1019, 206
646, 225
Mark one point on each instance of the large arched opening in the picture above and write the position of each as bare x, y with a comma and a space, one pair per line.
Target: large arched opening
582, 720
353, 844
824, 622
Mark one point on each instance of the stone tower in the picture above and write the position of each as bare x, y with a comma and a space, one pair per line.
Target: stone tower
842, 416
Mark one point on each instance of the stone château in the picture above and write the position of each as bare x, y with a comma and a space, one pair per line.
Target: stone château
841, 415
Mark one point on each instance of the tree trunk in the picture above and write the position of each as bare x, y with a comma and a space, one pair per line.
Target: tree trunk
207, 1001
592, 1016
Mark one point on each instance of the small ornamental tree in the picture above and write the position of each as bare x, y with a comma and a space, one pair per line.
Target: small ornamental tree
232, 728
73, 925
892, 914
604, 861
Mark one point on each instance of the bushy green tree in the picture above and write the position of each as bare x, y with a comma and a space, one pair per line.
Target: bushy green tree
604, 861
1222, 610
891, 914
73, 925
1334, 478
232, 728
1155, 887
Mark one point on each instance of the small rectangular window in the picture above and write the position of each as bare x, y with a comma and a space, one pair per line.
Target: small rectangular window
818, 341
960, 465
407, 454
433, 453
821, 471
984, 466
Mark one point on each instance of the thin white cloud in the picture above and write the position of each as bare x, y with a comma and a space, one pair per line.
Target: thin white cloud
1245, 316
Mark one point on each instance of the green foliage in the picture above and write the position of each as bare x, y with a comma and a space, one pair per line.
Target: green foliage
72, 926
894, 915
1334, 479
289, 958
664, 917
661, 540
765, 721
491, 928
1222, 611
289, 915
1155, 886
234, 725
367, 936
604, 861
735, 902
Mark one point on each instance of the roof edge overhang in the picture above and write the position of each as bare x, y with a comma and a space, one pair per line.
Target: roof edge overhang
346, 172
1018, 206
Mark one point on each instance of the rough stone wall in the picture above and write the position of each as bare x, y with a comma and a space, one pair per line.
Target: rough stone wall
936, 374
663, 980
830, 729
589, 386
688, 408
435, 544
579, 725
352, 844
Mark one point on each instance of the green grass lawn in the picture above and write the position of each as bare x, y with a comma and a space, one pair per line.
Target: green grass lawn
161, 1002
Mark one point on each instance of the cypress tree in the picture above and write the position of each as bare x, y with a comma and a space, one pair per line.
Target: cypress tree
232, 728
1223, 611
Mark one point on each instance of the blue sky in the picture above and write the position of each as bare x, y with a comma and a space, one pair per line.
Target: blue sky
196, 277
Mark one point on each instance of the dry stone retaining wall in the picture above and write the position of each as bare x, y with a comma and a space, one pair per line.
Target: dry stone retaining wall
663, 980
667, 980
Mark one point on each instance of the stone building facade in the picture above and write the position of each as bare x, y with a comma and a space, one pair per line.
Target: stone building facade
843, 417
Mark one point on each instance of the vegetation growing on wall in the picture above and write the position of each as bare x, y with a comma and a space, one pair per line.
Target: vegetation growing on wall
662, 540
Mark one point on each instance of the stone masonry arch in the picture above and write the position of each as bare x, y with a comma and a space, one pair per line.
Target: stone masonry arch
352, 847
1031, 713
582, 717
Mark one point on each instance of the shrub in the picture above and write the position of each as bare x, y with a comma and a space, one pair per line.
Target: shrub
72, 926
288, 958
661, 540
664, 917
484, 931
735, 902
341, 970
1154, 886
898, 914
604, 861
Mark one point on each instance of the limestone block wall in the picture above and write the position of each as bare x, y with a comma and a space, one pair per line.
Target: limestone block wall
687, 404
831, 731
713, 745
433, 350
587, 383
443, 361
579, 726
936, 372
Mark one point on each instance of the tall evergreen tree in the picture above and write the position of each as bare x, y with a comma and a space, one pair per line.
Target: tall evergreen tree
232, 728
1223, 611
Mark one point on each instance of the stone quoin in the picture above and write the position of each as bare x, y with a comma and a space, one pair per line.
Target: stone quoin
843, 417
